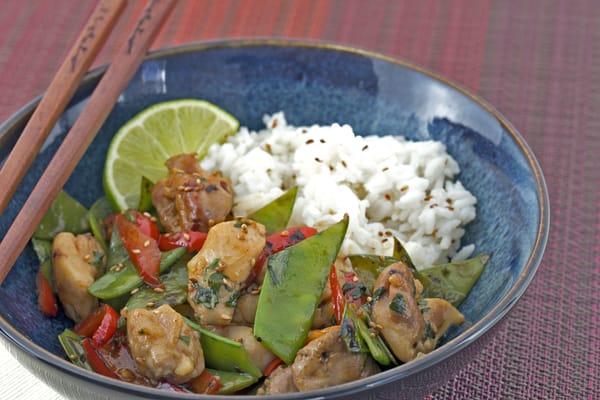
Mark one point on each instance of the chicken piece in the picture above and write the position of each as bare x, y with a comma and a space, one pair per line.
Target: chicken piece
72, 258
163, 346
245, 311
280, 381
396, 312
260, 356
439, 316
190, 198
326, 362
219, 272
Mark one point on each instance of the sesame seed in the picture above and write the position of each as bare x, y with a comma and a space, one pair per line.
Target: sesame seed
147, 214
369, 299
373, 334
381, 258
226, 317
387, 197
252, 261
388, 233
285, 233
159, 290
355, 278
450, 208
153, 219
404, 188
211, 222
180, 187
322, 140
147, 243
317, 159
365, 147
434, 205
87, 257
136, 251
384, 240
244, 228
134, 291
449, 201
385, 169
150, 304
309, 141
186, 236
380, 233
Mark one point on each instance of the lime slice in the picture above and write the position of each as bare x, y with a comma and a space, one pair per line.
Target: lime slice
145, 142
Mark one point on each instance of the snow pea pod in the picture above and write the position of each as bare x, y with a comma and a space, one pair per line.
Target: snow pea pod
291, 290
71, 344
453, 281
224, 354
97, 213
232, 382
145, 203
368, 267
175, 288
65, 215
115, 283
275, 215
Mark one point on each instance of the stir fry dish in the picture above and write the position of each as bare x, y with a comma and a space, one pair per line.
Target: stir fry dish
178, 292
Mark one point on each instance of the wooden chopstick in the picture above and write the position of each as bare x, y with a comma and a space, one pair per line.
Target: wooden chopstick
101, 102
61, 89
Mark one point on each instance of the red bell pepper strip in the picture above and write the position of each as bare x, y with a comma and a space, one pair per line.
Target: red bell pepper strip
95, 361
279, 241
46, 299
143, 250
206, 383
100, 326
337, 297
272, 366
191, 239
146, 225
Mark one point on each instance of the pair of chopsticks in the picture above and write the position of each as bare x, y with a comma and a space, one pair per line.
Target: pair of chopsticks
63, 86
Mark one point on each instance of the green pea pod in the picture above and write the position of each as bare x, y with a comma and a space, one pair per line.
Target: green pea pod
97, 213
275, 215
43, 249
224, 354
377, 347
117, 283
401, 254
71, 343
453, 281
175, 284
368, 267
117, 253
65, 215
145, 203
349, 331
232, 382
291, 290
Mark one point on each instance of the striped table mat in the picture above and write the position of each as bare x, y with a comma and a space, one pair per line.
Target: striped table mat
538, 61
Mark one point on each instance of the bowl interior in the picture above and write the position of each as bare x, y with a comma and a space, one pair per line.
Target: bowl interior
312, 86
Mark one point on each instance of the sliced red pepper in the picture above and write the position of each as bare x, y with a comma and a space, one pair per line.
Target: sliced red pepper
46, 299
95, 361
279, 241
143, 250
206, 383
100, 326
191, 239
145, 223
272, 366
337, 297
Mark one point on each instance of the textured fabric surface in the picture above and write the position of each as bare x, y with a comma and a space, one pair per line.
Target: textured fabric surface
537, 61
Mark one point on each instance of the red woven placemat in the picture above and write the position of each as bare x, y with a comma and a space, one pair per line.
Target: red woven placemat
537, 61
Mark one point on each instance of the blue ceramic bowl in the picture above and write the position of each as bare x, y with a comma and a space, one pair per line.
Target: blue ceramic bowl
313, 84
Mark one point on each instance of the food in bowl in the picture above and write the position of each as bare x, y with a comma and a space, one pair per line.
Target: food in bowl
229, 261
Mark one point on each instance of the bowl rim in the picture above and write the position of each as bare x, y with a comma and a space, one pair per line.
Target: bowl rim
460, 342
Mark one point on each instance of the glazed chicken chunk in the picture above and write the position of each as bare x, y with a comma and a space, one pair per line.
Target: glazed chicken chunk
190, 198
410, 326
163, 346
219, 272
259, 354
325, 361
73, 258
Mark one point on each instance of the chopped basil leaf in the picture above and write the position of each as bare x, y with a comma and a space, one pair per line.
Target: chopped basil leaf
185, 339
233, 299
398, 304
378, 293
205, 296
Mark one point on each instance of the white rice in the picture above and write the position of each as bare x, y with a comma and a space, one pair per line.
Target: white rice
387, 185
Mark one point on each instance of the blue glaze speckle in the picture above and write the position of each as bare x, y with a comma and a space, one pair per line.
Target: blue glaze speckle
313, 86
